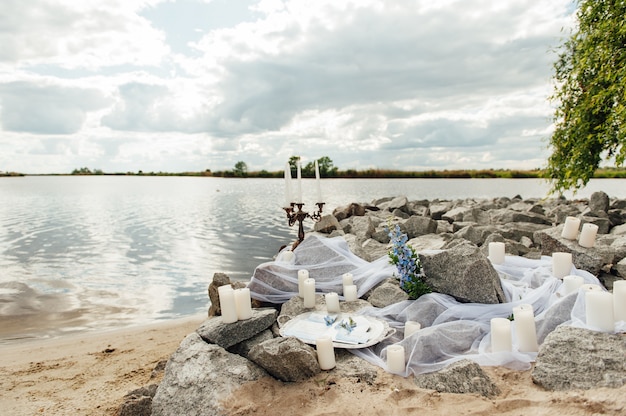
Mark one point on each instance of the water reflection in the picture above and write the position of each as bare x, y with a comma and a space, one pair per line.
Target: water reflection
82, 253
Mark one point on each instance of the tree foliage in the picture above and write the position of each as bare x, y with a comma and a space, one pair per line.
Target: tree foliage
590, 81
241, 169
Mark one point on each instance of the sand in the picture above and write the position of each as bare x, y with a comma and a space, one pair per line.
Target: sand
88, 374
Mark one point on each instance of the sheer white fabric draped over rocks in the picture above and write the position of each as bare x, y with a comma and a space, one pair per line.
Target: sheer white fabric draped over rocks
451, 331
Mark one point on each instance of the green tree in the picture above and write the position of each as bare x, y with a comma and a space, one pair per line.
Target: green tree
241, 169
293, 163
590, 75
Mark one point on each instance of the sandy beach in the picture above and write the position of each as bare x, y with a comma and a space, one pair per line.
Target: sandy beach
88, 374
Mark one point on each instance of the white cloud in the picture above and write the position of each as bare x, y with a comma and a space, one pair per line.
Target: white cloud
447, 84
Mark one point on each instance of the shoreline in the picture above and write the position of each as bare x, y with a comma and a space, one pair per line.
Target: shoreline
86, 373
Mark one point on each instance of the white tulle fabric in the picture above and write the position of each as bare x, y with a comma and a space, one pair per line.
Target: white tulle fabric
451, 331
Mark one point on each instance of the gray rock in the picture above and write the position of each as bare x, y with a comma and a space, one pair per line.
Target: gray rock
438, 208
387, 294
477, 234
462, 377
471, 279
138, 402
219, 279
362, 227
244, 347
599, 201
577, 358
505, 216
349, 365
517, 230
198, 376
416, 226
430, 241
399, 202
591, 259
455, 214
287, 359
603, 224
620, 268
400, 214
373, 250
327, 224
215, 331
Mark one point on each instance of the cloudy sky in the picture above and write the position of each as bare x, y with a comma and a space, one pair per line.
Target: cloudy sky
190, 85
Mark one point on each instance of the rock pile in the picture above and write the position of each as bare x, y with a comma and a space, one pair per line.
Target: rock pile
218, 358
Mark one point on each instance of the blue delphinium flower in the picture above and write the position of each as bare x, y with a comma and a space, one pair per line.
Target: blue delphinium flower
404, 257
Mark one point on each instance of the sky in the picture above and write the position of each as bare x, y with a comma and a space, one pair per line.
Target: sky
191, 85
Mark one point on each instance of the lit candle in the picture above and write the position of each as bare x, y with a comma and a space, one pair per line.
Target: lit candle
525, 329
332, 302
561, 264
302, 276
599, 310
500, 335
496, 252
570, 229
411, 327
588, 235
309, 293
243, 303
325, 352
317, 182
299, 183
572, 283
619, 300
288, 199
395, 359
227, 304
350, 293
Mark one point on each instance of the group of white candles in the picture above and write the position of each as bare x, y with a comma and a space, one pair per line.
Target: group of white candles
306, 291
588, 232
396, 360
236, 304
297, 198
524, 318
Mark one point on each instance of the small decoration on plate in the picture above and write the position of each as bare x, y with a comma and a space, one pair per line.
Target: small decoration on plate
348, 325
330, 319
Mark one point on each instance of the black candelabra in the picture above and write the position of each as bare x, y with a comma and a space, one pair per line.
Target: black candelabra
296, 214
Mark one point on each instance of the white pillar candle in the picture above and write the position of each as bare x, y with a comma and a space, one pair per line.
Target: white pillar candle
299, 183
243, 303
332, 302
309, 293
570, 229
302, 276
317, 182
590, 287
288, 196
395, 359
347, 279
411, 327
227, 304
619, 300
561, 264
524, 319
500, 335
350, 293
588, 235
496, 252
571, 283
599, 310
325, 352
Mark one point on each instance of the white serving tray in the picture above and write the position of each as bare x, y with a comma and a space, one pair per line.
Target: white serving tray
307, 327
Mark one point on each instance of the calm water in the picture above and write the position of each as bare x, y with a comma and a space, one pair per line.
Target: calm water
80, 253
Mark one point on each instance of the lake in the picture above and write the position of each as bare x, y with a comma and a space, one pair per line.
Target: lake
81, 253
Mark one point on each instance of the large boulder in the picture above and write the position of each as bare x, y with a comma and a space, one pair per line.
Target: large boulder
464, 273
215, 331
578, 358
462, 377
416, 226
198, 376
287, 359
599, 202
